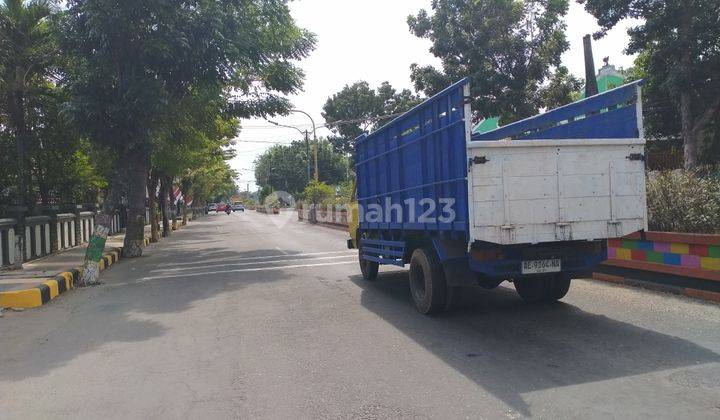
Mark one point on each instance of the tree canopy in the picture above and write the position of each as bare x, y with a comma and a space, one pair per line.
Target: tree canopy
283, 167
680, 58
358, 108
154, 77
508, 48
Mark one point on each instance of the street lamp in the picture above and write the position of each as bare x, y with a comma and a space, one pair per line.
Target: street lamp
315, 140
307, 144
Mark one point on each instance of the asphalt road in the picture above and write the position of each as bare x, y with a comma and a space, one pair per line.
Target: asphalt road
252, 316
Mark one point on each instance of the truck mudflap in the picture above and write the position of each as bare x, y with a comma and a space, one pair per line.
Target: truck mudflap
507, 262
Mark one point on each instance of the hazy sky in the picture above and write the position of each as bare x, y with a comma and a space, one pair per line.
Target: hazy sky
370, 40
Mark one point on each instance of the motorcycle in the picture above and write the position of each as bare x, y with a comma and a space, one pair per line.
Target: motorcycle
228, 210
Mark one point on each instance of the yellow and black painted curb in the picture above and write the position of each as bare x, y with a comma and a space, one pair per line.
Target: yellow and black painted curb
52, 288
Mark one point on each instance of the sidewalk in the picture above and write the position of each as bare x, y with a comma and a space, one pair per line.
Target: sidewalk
39, 270
44, 279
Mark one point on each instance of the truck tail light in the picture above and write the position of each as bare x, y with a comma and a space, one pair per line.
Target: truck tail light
487, 254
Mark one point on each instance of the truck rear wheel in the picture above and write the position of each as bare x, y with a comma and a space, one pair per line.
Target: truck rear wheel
427, 282
369, 269
547, 288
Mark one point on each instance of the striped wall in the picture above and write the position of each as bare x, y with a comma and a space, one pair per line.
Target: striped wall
674, 253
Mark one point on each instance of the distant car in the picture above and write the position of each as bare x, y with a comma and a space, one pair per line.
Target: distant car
221, 207
238, 207
212, 207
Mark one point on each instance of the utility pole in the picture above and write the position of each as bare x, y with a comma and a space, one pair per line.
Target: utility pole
315, 140
306, 135
317, 172
307, 153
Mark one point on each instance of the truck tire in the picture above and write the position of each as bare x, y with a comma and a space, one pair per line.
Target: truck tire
427, 282
547, 288
557, 288
369, 269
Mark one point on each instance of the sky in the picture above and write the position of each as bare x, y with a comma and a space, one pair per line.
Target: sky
370, 40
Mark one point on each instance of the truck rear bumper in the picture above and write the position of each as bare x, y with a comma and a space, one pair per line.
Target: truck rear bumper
577, 258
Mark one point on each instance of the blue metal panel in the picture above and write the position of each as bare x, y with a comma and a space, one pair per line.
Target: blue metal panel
420, 155
609, 115
383, 252
385, 261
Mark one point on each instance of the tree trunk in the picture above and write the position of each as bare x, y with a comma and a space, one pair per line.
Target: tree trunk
174, 209
16, 108
96, 246
691, 139
164, 193
152, 204
137, 186
171, 203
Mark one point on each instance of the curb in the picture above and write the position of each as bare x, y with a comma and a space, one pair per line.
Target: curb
685, 291
54, 287
335, 226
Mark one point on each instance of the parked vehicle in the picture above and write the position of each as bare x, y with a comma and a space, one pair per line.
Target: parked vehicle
238, 207
212, 207
221, 207
532, 202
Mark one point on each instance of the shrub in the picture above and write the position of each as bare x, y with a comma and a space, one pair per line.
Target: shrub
318, 192
345, 192
684, 201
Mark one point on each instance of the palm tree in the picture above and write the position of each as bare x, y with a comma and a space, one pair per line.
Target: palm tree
25, 57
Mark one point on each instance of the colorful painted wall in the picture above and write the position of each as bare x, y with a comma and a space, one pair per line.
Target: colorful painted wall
671, 253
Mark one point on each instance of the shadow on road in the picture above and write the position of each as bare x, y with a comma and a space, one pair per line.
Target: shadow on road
509, 347
117, 310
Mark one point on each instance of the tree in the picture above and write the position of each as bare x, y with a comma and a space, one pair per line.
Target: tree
508, 48
26, 54
282, 167
679, 41
192, 134
358, 108
214, 180
318, 192
130, 60
562, 89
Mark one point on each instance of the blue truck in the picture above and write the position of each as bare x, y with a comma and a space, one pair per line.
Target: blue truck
533, 202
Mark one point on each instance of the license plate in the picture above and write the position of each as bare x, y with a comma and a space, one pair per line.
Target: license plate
541, 266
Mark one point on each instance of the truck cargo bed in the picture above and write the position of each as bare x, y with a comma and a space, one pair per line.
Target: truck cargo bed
574, 173
535, 191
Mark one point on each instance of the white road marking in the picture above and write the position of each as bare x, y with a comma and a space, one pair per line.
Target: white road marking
245, 270
165, 270
264, 257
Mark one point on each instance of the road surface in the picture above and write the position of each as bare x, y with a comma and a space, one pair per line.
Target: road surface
253, 316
